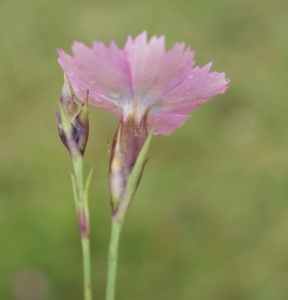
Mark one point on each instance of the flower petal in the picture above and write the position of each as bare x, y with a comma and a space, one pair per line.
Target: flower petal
155, 71
104, 71
195, 90
165, 123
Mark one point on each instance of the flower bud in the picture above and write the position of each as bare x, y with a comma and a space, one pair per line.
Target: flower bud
72, 119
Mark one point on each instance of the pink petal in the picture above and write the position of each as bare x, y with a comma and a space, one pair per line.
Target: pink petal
195, 90
155, 71
104, 71
142, 72
165, 123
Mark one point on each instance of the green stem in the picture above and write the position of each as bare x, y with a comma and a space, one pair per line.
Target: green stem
81, 199
78, 170
112, 258
86, 268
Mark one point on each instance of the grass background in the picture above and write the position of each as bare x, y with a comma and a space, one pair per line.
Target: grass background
210, 218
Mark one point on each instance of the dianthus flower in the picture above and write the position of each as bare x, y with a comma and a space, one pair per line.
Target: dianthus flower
144, 85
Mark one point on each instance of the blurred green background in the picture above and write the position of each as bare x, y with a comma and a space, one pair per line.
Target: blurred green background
210, 219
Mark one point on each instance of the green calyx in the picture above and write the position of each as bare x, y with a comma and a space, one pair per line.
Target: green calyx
121, 204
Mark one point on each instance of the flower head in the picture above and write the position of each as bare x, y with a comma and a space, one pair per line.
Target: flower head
143, 79
144, 85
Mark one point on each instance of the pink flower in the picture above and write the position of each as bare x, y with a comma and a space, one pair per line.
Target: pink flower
143, 78
144, 85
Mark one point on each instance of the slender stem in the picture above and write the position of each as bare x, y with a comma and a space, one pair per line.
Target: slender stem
81, 195
112, 258
86, 268
78, 169
116, 226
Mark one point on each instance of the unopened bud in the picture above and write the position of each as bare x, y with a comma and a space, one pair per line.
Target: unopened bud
72, 119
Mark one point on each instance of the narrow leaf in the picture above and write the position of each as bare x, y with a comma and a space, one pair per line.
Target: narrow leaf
138, 167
